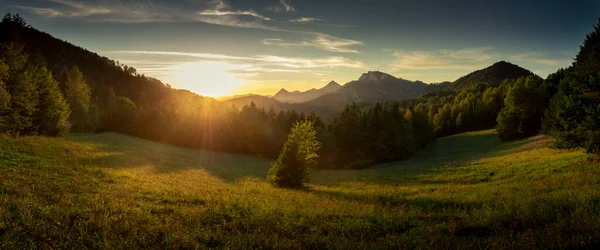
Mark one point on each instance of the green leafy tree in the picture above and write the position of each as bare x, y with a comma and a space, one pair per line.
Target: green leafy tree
52, 111
522, 112
299, 152
78, 94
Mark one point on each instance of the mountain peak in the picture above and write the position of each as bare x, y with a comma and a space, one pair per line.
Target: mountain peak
330, 87
374, 76
502, 63
333, 83
282, 92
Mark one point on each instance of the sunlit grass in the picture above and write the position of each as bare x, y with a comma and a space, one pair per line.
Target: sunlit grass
465, 191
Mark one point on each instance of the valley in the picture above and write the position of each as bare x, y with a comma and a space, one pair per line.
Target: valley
465, 191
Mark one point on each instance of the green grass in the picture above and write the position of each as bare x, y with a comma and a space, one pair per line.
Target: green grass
464, 191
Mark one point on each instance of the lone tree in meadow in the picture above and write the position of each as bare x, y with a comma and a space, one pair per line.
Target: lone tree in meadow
290, 170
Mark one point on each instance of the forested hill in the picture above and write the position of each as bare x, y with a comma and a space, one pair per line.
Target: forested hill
100, 72
492, 75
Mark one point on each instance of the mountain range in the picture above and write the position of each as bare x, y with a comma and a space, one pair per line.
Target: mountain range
375, 86
296, 96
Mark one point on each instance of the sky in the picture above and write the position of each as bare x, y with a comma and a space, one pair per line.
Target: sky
227, 47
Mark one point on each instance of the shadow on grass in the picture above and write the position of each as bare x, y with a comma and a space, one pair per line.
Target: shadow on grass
388, 200
117, 151
121, 151
445, 154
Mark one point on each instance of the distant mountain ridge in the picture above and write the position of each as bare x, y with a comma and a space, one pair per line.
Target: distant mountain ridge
373, 86
377, 86
296, 96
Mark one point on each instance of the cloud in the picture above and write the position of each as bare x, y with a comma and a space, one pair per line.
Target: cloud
75, 9
321, 41
560, 59
324, 62
288, 7
472, 58
443, 65
215, 12
234, 13
266, 63
166, 65
442, 59
305, 20
283, 5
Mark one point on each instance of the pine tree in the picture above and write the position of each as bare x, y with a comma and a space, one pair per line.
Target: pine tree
52, 111
299, 152
22, 89
588, 59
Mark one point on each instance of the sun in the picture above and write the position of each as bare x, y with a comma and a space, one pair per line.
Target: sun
206, 78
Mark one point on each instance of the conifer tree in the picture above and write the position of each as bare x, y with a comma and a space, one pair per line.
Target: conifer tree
22, 89
299, 152
52, 111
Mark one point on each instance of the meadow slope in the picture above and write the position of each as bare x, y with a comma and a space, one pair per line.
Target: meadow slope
465, 191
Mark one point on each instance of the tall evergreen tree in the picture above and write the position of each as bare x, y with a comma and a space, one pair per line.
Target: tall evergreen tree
22, 89
299, 152
52, 111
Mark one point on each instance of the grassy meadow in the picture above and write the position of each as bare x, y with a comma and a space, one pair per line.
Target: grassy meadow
465, 191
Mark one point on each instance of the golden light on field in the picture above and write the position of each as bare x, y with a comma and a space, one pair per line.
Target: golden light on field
206, 78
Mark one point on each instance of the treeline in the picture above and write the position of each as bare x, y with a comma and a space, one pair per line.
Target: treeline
387, 132
30, 100
573, 113
566, 105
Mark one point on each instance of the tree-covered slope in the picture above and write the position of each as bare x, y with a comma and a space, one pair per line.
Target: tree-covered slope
492, 75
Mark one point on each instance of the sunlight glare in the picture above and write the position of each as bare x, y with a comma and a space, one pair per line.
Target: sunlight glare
206, 78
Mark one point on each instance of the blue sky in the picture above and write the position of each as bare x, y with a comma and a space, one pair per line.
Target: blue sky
220, 47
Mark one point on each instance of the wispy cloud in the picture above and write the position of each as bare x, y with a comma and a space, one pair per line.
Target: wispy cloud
306, 20
282, 6
215, 12
471, 58
75, 9
442, 59
287, 6
560, 59
234, 13
270, 62
321, 41
443, 65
